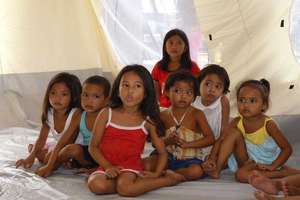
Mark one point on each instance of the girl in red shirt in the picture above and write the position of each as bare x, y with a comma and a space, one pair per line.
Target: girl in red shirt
176, 57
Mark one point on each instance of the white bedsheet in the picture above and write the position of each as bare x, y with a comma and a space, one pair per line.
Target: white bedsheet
64, 184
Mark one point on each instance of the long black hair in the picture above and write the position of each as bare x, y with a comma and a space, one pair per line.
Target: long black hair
185, 60
149, 106
73, 84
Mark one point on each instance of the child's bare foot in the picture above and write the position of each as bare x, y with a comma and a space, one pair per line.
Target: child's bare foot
213, 173
209, 165
260, 195
174, 177
261, 182
67, 164
29, 148
85, 170
289, 190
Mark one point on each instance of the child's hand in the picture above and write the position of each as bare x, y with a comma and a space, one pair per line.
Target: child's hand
26, 163
209, 165
172, 139
43, 171
112, 172
182, 143
265, 167
85, 170
67, 164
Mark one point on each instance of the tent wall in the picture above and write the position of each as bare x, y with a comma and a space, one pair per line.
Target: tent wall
39, 39
21, 100
249, 38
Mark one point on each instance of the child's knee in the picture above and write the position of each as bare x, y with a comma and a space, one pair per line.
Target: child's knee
71, 150
195, 172
95, 185
124, 189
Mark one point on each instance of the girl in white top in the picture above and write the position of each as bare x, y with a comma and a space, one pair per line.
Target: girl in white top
214, 84
50, 122
60, 111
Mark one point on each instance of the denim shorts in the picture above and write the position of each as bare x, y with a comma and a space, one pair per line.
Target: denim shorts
175, 164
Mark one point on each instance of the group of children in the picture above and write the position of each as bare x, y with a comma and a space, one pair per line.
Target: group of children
103, 131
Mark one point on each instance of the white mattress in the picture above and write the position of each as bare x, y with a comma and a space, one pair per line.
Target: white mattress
64, 184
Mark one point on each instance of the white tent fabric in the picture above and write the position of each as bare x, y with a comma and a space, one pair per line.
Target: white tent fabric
295, 28
39, 39
51, 35
136, 30
78, 35
246, 37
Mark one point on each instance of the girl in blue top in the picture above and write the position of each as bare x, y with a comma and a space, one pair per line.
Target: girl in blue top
254, 138
94, 97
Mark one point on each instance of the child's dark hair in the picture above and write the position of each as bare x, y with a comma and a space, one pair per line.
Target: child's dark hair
101, 81
182, 76
262, 85
72, 82
219, 71
149, 106
185, 60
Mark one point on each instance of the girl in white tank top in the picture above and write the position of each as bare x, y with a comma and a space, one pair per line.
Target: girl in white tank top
60, 108
214, 84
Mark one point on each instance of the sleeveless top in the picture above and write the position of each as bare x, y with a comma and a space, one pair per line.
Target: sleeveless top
123, 145
261, 147
186, 135
50, 123
259, 136
213, 114
84, 132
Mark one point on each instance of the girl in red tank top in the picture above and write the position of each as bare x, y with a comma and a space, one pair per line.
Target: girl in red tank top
120, 134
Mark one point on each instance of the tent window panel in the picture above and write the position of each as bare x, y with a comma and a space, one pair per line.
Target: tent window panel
295, 29
137, 31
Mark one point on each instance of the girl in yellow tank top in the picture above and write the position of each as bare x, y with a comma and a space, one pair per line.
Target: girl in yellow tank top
254, 139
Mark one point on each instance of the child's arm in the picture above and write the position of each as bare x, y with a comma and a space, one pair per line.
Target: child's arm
39, 144
224, 126
160, 147
210, 164
208, 137
65, 139
172, 138
282, 142
98, 130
